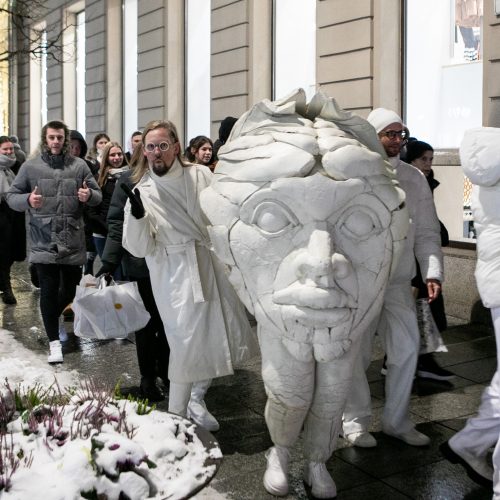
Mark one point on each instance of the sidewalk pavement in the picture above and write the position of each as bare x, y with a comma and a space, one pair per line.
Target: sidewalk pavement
391, 471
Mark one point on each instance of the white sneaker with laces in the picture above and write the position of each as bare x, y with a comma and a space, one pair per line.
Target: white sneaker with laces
55, 355
319, 479
275, 477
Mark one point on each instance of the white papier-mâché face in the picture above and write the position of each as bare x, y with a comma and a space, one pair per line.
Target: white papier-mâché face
309, 249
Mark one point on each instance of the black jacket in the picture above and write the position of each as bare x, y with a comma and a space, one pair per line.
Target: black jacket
134, 267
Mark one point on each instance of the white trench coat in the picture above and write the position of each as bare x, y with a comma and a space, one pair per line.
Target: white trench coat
205, 323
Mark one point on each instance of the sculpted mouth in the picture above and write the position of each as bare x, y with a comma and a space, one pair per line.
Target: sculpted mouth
315, 307
313, 297
315, 318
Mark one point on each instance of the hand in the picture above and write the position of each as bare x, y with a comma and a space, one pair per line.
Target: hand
84, 193
136, 206
433, 289
35, 199
106, 268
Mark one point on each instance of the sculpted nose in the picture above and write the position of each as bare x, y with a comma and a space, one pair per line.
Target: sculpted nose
319, 261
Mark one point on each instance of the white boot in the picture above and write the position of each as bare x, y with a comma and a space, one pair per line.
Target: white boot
276, 475
319, 479
197, 409
178, 397
55, 355
63, 334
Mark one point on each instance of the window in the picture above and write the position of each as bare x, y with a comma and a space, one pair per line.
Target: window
130, 115
197, 68
80, 73
294, 47
443, 69
38, 86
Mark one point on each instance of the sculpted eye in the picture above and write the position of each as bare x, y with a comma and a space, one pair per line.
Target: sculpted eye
359, 223
273, 218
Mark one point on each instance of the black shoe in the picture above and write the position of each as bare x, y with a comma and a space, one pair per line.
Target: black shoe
150, 391
8, 297
427, 367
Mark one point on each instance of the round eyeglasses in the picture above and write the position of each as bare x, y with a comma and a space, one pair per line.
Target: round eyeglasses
163, 146
392, 134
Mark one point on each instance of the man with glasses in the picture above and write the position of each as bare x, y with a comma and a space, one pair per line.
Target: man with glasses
397, 325
205, 323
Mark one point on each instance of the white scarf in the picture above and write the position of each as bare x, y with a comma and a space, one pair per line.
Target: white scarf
6, 174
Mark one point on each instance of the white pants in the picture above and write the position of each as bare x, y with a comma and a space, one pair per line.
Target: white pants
398, 330
482, 432
305, 394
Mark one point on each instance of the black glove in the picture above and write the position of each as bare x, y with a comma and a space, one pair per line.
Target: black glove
106, 268
136, 206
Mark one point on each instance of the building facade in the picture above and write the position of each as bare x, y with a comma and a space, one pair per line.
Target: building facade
125, 62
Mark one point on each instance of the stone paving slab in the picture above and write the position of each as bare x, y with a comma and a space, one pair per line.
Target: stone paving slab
392, 471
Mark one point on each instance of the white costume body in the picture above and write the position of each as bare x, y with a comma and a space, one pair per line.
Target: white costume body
397, 325
205, 323
480, 155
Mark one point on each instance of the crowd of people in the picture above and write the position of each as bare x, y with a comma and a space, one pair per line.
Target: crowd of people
139, 212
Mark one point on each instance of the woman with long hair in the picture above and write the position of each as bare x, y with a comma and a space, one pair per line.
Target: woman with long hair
113, 165
200, 151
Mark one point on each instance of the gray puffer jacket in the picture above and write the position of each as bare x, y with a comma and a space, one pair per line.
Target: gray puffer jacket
56, 228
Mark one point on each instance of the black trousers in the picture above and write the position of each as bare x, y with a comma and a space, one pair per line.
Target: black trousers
57, 289
151, 343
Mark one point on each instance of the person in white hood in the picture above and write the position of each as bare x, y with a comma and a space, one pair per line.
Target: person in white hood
480, 156
397, 325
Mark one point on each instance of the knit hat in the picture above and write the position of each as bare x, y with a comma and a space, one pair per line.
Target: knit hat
382, 117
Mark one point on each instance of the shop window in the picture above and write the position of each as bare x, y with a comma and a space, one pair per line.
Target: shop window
197, 68
443, 69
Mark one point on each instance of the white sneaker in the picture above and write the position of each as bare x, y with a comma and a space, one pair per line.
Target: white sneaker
55, 355
275, 477
412, 437
63, 334
319, 479
361, 439
198, 413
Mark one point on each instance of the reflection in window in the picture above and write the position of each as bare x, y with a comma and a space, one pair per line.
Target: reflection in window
468, 26
294, 39
443, 70
80, 72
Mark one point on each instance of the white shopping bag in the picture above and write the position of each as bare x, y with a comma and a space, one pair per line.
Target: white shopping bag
108, 311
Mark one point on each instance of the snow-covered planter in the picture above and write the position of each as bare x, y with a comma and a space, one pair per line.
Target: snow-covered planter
85, 443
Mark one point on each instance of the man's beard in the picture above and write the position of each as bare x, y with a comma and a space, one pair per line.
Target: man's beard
160, 169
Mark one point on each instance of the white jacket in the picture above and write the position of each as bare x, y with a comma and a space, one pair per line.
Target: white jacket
205, 323
424, 237
480, 157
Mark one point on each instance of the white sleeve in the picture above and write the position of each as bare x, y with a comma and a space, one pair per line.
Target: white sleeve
138, 234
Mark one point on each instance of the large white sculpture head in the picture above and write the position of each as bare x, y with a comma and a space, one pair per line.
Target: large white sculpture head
306, 215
